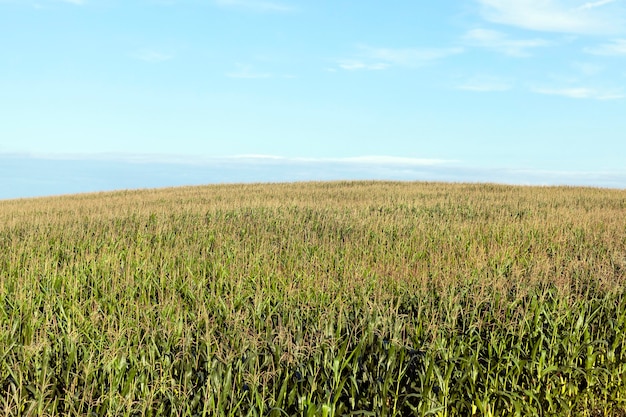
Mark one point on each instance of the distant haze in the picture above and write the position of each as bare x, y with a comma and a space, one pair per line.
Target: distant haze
29, 176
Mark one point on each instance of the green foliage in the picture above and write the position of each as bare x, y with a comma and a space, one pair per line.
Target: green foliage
320, 299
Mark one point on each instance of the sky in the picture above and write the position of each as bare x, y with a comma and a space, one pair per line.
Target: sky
110, 94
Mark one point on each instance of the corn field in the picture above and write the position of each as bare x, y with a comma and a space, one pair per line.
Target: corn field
315, 299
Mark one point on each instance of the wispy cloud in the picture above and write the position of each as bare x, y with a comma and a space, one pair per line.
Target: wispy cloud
616, 47
581, 93
565, 16
143, 158
246, 71
588, 68
256, 5
357, 160
40, 175
372, 58
388, 160
485, 84
594, 4
152, 56
354, 65
498, 41
409, 56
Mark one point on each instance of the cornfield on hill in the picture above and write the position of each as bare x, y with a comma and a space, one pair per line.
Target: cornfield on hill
315, 299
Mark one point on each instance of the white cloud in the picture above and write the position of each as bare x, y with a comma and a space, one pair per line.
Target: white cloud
245, 71
372, 160
386, 160
617, 47
565, 16
152, 56
357, 160
371, 58
72, 173
409, 56
255, 5
248, 72
248, 75
594, 4
588, 68
581, 93
485, 84
500, 42
353, 65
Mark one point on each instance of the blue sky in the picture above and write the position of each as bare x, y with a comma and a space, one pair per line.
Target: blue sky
106, 94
